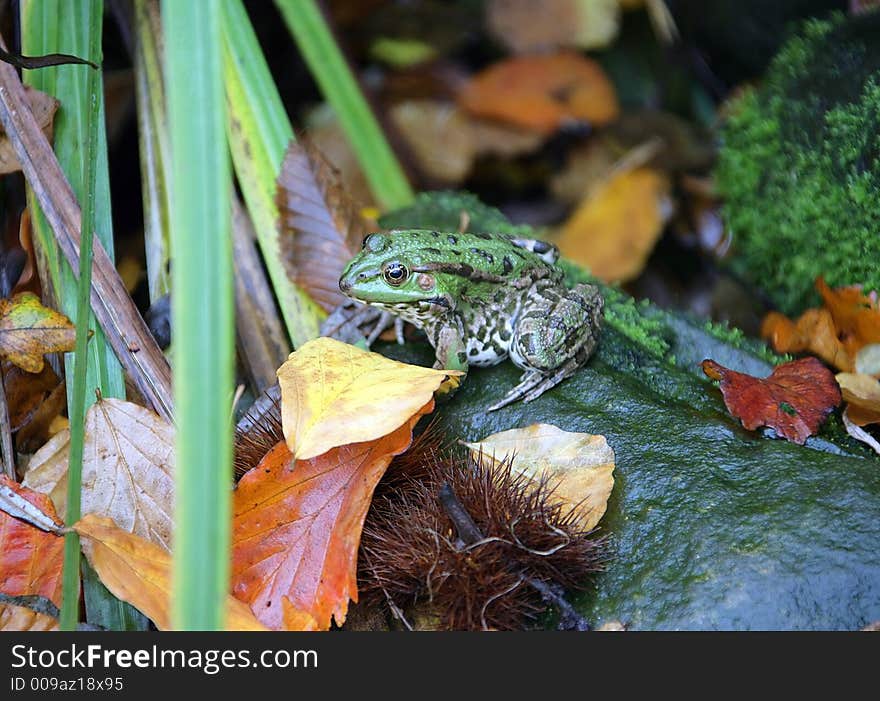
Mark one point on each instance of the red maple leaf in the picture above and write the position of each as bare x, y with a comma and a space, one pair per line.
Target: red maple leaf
794, 400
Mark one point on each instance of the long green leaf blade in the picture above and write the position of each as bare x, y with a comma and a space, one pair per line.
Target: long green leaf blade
52, 26
202, 310
329, 68
71, 574
259, 132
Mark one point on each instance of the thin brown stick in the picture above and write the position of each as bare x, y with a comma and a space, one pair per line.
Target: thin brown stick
262, 341
122, 323
6, 432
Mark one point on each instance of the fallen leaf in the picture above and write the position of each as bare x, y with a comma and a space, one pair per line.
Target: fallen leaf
139, 572
578, 466
837, 333
297, 526
542, 92
28, 330
128, 464
320, 226
330, 392
127, 473
615, 228
439, 136
445, 141
30, 562
814, 332
794, 400
862, 392
25, 392
856, 315
44, 422
524, 26
43, 107
47, 471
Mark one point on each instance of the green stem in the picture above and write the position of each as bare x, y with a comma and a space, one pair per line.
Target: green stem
329, 68
71, 574
202, 280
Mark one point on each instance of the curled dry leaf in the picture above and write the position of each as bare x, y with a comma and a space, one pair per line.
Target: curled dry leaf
297, 526
139, 572
128, 461
814, 332
30, 562
28, 330
320, 227
542, 92
614, 229
849, 321
578, 466
330, 392
794, 400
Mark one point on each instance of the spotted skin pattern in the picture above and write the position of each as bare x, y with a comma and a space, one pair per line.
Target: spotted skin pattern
481, 298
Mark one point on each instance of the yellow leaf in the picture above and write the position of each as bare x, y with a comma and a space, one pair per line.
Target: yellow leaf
334, 394
614, 229
28, 330
139, 572
578, 465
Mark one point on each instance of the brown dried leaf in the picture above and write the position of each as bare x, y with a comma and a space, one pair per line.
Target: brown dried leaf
320, 227
43, 107
794, 400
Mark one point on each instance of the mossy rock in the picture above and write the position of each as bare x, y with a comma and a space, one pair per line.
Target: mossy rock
712, 526
799, 169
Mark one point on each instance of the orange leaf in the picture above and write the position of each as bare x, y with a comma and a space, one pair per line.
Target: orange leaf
297, 526
139, 572
856, 316
794, 400
542, 92
813, 332
30, 563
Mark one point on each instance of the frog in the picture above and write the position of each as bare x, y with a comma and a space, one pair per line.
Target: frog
481, 298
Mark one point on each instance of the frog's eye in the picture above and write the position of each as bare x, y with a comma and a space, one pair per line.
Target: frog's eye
395, 273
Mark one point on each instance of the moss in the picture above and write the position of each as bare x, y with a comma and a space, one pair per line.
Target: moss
799, 168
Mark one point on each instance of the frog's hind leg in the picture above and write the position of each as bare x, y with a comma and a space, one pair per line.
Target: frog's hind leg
554, 336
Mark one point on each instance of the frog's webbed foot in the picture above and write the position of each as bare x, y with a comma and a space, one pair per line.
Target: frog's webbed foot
353, 321
534, 383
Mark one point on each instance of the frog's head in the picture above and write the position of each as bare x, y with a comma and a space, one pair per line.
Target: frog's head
389, 270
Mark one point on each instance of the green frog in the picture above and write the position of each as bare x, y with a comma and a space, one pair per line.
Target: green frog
481, 298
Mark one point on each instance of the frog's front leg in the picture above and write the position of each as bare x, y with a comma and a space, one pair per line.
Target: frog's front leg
451, 353
555, 334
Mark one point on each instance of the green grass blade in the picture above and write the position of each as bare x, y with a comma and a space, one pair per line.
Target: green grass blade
259, 132
329, 68
65, 26
76, 409
62, 26
154, 148
203, 345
